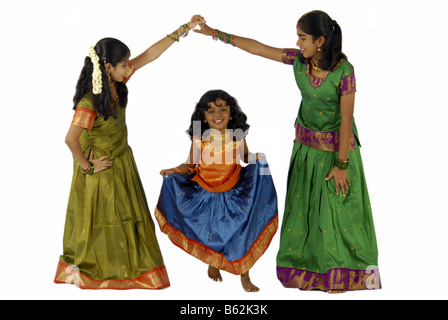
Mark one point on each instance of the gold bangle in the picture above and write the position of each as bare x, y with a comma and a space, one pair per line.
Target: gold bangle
342, 165
185, 26
90, 170
176, 36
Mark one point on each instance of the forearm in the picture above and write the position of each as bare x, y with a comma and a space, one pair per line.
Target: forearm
258, 48
249, 157
245, 44
158, 48
72, 141
78, 154
345, 135
182, 168
185, 167
345, 131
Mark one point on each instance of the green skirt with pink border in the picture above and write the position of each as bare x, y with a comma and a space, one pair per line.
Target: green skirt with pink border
327, 240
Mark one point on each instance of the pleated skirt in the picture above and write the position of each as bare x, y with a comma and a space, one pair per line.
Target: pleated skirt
228, 230
327, 241
109, 237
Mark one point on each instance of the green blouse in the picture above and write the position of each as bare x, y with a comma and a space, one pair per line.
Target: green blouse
320, 108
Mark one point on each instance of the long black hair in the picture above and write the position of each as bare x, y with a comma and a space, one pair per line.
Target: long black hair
238, 121
318, 23
112, 51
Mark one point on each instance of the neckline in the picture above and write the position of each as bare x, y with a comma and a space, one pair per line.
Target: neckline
316, 82
219, 137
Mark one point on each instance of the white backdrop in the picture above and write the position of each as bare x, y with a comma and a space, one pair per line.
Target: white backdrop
395, 46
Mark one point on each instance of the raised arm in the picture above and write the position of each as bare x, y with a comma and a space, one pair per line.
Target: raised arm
247, 44
154, 51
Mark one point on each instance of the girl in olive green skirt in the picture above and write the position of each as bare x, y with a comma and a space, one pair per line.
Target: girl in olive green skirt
109, 237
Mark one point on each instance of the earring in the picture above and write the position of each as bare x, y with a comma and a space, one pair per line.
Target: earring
109, 77
318, 48
111, 81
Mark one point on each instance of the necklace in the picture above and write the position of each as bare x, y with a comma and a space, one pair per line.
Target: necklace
315, 67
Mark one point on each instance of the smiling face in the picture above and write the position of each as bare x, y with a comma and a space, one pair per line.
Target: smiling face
218, 115
308, 46
118, 72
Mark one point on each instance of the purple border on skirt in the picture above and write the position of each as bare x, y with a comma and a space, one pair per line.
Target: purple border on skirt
326, 141
333, 279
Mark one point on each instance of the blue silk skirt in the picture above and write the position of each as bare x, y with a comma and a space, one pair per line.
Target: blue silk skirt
228, 230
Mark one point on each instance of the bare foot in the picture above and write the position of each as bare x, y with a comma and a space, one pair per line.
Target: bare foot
214, 274
248, 286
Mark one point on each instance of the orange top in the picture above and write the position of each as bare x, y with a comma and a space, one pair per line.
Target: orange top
220, 167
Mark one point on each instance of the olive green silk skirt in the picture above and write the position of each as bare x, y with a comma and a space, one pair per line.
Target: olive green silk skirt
109, 237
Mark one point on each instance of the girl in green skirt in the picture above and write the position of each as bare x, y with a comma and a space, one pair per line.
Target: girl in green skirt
328, 239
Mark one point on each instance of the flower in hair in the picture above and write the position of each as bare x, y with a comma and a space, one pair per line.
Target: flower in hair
97, 81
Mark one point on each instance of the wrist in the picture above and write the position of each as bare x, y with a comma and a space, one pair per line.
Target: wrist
89, 169
252, 158
85, 167
342, 164
182, 31
223, 36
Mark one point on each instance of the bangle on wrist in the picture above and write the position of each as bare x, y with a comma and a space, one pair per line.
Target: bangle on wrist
342, 165
185, 26
89, 170
175, 34
224, 37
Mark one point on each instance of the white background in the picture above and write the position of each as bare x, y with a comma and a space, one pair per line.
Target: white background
398, 49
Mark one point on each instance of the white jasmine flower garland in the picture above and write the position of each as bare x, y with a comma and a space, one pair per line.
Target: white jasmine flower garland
97, 81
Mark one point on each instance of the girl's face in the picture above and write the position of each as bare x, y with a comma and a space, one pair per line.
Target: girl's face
118, 72
308, 47
218, 115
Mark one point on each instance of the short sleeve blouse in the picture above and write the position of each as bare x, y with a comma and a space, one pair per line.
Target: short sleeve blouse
85, 113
